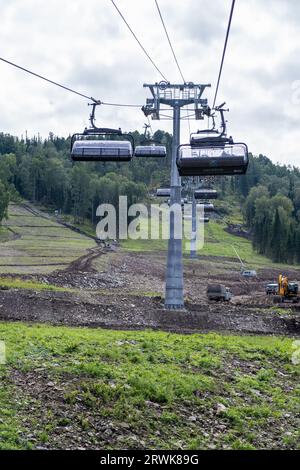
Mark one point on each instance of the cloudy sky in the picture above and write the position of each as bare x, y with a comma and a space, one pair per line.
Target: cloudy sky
85, 45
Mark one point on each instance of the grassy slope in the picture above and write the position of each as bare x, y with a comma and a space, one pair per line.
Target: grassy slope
217, 242
17, 283
5, 235
150, 389
40, 245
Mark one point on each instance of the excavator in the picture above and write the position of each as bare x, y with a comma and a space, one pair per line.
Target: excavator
286, 291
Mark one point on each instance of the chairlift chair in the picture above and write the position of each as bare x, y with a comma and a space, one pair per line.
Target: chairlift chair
183, 201
212, 155
207, 207
148, 151
163, 192
204, 220
150, 147
213, 160
101, 144
205, 194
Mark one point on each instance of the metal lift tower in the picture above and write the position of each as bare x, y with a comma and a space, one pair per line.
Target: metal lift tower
175, 96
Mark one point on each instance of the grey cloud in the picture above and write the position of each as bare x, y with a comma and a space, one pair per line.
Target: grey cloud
203, 21
85, 45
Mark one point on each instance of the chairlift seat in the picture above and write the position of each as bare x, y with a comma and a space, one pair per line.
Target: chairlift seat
183, 202
205, 194
207, 207
163, 192
212, 160
148, 151
101, 150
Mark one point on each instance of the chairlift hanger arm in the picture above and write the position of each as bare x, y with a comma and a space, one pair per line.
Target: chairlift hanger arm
92, 115
99, 130
221, 110
220, 133
146, 132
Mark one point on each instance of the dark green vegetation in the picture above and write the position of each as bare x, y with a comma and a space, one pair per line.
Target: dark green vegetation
272, 210
41, 171
70, 388
4, 200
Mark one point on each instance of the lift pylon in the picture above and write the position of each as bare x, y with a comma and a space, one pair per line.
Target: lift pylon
176, 96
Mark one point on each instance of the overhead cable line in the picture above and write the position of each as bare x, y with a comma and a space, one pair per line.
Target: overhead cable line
47, 79
224, 51
125, 105
169, 41
71, 90
172, 49
138, 41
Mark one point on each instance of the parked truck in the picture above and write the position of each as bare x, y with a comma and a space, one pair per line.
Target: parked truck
271, 288
218, 292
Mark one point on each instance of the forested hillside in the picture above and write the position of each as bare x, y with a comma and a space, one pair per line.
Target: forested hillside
42, 172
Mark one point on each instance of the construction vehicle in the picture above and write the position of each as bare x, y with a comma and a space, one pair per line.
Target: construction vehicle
286, 291
218, 292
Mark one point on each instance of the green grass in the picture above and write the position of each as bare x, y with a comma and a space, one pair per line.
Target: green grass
156, 390
40, 243
5, 234
229, 209
86, 227
16, 283
220, 243
217, 242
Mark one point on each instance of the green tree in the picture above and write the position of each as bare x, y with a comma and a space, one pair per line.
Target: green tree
4, 200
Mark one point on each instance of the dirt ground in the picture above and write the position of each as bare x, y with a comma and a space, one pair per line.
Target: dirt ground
112, 288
